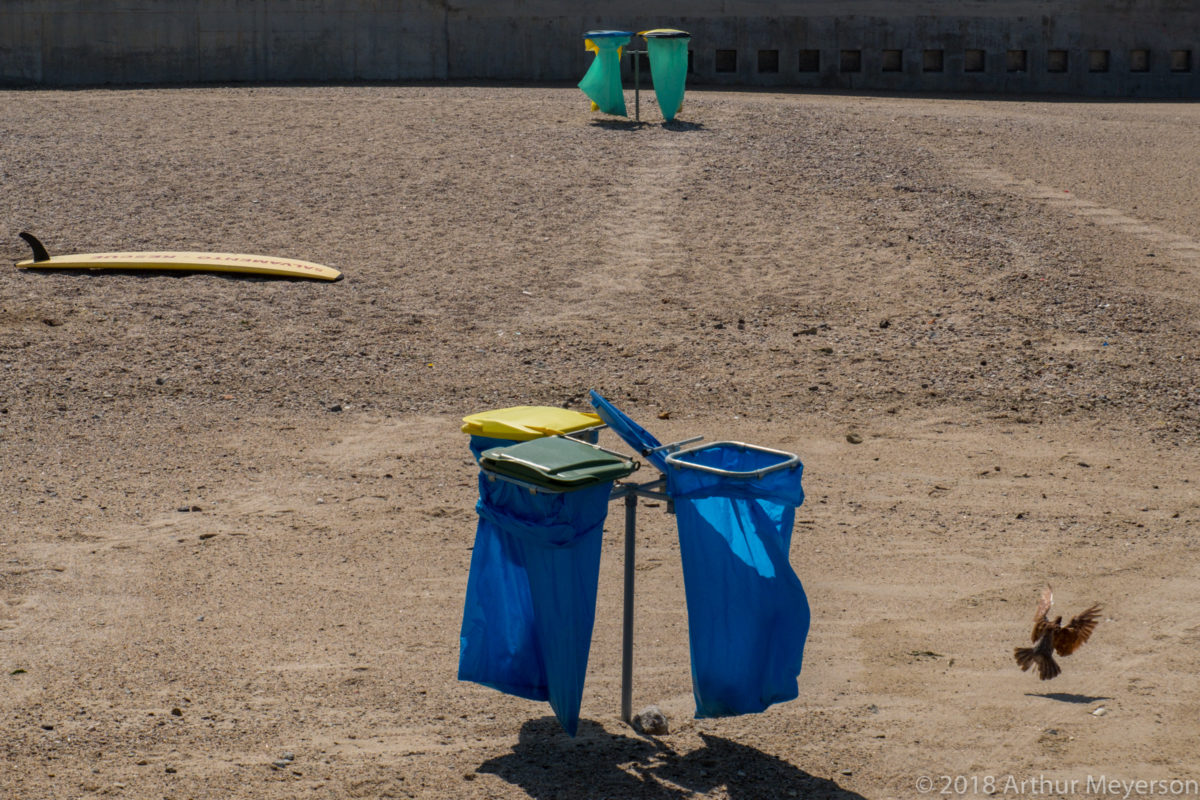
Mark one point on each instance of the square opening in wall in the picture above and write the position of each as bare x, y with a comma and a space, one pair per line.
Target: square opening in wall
851, 61
726, 61
1139, 60
1181, 61
973, 61
1056, 61
768, 61
931, 61
1097, 61
810, 61
892, 61
691, 68
1016, 61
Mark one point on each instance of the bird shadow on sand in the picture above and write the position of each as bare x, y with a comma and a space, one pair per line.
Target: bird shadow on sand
1066, 697
546, 763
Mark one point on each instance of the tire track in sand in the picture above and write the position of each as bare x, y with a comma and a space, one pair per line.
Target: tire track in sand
1174, 245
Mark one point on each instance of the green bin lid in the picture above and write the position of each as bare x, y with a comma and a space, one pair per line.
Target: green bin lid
557, 463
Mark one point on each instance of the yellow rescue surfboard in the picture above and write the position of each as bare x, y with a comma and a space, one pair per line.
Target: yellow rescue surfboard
174, 260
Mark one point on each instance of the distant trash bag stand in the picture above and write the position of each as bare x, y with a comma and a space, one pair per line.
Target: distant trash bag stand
602, 82
667, 49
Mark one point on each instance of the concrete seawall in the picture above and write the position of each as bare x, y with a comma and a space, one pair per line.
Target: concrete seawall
1114, 48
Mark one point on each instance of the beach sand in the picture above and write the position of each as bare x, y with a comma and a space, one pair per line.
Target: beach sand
237, 513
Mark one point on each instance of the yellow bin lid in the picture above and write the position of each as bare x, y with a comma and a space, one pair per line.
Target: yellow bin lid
522, 423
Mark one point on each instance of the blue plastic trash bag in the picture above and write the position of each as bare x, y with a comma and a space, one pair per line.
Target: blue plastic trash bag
748, 615
602, 82
531, 594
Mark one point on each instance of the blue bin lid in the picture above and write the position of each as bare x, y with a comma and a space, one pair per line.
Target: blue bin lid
634, 435
606, 34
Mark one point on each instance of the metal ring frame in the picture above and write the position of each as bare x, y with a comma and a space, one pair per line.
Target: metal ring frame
790, 460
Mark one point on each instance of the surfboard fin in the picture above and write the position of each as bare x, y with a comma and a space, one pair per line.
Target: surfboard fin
39, 249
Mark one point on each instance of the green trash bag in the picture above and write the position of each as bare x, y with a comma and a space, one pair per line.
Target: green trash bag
602, 83
667, 50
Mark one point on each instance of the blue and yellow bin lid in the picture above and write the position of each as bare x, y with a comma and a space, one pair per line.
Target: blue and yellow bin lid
523, 423
606, 34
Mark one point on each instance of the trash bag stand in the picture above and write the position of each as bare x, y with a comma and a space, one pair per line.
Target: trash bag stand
603, 87
656, 489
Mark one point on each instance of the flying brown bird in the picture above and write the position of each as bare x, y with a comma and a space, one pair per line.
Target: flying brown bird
1051, 637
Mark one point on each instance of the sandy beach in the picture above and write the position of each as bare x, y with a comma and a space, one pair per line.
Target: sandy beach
238, 513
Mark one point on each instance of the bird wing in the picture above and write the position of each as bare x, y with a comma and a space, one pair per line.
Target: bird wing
1043, 608
1068, 638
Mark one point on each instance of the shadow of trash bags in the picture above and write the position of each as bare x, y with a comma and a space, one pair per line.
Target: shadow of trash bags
597, 764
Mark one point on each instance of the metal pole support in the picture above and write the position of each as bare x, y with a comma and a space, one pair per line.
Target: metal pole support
637, 83
637, 88
627, 633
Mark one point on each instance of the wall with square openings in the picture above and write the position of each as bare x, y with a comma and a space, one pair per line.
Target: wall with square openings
1115, 48
1109, 48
